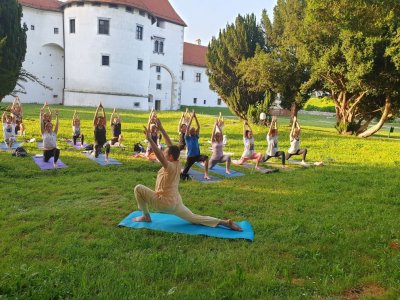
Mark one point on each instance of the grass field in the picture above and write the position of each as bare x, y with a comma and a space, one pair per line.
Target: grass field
330, 232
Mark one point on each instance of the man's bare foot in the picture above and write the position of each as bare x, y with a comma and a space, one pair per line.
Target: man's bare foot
206, 177
257, 167
228, 172
54, 165
284, 166
143, 218
230, 224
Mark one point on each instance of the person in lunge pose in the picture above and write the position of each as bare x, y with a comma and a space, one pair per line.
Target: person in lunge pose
166, 197
99, 126
76, 129
183, 123
49, 137
115, 124
8, 129
217, 148
295, 142
272, 140
16, 111
248, 152
193, 149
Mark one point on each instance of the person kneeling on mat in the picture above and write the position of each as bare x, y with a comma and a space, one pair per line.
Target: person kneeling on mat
272, 139
100, 140
166, 197
49, 137
217, 148
295, 142
193, 149
76, 129
248, 152
115, 124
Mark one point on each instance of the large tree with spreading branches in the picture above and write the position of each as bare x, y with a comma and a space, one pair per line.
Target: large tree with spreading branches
12, 45
234, 44
352, 47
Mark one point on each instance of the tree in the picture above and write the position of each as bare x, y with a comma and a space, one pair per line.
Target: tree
13, 49
353, 49
235, 43
278, 68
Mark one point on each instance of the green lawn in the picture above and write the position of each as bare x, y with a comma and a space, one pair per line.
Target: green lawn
320, 233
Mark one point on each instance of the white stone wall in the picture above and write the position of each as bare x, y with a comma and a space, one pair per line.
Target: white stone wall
44, 56
84, 49
170, 60
200, 90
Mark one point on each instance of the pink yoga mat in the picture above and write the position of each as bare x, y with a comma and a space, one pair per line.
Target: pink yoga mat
48, 165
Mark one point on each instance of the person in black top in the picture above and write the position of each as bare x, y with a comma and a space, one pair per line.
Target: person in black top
115, 123
99, 126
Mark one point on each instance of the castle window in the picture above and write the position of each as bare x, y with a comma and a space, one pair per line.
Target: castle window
129, 9
140, 64
158, 77
111, 5
183, 75
80, 4
158, 45
136, 104
194, 100
219, 101
198, 77
32, 27
96, 4
158, 69
105, 60
158, 86
205, 101
71, 25
104, 26
139, 32
160, 24
142, 12
55, 30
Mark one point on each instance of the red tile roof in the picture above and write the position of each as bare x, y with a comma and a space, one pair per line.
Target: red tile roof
53, 5
159, 8
194, 55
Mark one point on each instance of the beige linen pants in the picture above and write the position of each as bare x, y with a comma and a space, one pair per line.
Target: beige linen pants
145, 196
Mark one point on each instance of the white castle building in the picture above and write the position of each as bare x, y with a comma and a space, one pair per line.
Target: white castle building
125, 53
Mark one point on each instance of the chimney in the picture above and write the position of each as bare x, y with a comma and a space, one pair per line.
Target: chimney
198, 42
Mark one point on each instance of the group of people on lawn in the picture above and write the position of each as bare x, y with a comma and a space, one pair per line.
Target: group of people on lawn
166, 196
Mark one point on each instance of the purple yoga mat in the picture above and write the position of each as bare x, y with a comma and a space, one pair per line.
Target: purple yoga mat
78, 144
48, 165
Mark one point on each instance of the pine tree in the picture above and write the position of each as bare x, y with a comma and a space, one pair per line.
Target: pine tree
234, 44
12, 45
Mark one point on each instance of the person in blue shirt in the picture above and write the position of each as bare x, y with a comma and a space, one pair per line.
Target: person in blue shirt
193, 149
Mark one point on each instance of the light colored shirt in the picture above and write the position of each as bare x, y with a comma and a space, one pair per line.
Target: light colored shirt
294, 145
167, 183
76, 129
8, 130
217, 151
248, 147
49, 140
272, 145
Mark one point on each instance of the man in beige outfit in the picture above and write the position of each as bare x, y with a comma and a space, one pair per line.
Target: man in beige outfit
166, 197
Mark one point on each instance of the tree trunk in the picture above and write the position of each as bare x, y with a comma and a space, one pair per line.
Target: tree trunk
382, 120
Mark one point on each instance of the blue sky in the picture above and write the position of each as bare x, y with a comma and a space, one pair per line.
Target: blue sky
205, 18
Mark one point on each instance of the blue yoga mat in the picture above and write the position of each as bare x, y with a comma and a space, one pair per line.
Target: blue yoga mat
221, 171
199, 176
4, 147
101, 160
172, 223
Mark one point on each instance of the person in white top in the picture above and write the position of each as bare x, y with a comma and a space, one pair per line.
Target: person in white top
166, 196
217, 148
248, 152
76, 129
272, 139
295, 142
49, 137
8, 129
